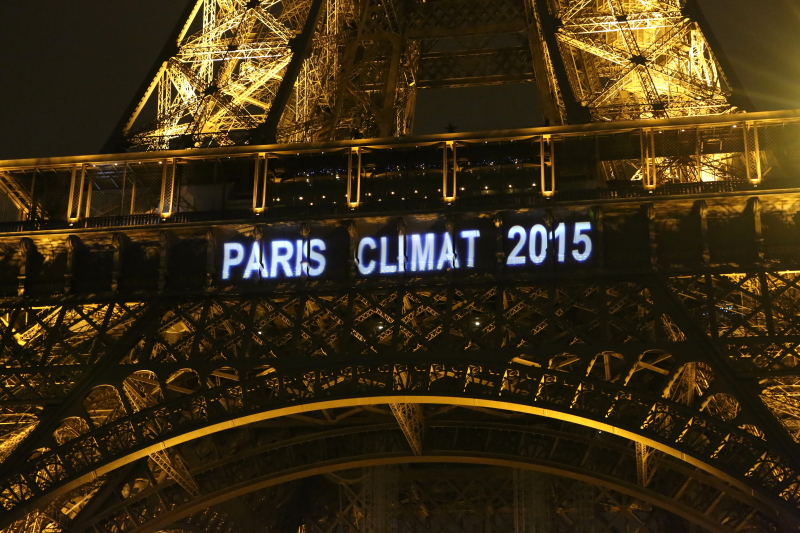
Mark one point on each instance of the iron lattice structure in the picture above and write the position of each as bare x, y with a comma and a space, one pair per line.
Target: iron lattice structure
649, 385
316, 70
651, 390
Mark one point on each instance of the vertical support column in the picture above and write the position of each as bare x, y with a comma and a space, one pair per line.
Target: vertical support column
380, 493
89, 187
124, 186
33, 213
164, 244
758, 235
547, 165
300, 46
72, 244
75, 193
499, 252
411, 420
387, 116
211, 257
698, 154
752, 153
260, 183
448, 177
644, 456
353, 239
120, 241
599, 231
354, 179
167, 187
648, 153
702, 212
532, 512
652, 242
543, 69
133, 194
27, 249
583, 494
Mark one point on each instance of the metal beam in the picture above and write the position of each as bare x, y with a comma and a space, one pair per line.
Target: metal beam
267, 132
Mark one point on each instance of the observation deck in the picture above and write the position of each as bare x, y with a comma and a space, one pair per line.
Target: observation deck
486, 170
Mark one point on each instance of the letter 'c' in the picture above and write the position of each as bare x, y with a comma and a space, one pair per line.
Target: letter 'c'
368, 268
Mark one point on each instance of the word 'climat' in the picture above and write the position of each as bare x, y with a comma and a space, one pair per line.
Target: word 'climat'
422, 252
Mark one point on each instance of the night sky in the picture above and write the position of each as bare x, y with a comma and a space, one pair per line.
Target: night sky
68, 69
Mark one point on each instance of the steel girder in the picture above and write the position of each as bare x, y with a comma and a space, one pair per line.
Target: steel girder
363, 60
680, 339
618, 356
244, 462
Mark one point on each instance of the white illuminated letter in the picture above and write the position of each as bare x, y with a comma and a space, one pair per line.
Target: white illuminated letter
581, 239
401, 253
256, 262
470, 235
298, 257
537, 247
386, 268
281, 253
366, 242
446, 255
232, 255
560, 234
422, 257
514, 258
316, 246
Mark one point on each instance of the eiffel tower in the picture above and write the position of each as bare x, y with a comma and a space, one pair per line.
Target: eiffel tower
269, 307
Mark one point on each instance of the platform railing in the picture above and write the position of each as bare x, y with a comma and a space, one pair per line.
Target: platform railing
691, 155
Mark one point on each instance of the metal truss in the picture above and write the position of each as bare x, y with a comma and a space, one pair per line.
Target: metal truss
302, 70
683, 156
329, 68
632, 59
623, 357
655, 386
628, 60
252, 470
656, 389
411, 420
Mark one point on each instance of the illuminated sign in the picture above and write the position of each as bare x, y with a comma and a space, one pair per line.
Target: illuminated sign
383, 250
427, 252
279, 258
539, 240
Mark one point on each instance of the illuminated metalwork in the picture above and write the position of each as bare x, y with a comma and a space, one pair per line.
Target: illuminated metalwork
151, 384
649, 385
244, 72
639, 59
437, 171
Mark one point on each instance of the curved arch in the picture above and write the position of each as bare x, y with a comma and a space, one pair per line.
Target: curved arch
70, 428
723, 406
698, 438
183, 381
500, 444
104, 405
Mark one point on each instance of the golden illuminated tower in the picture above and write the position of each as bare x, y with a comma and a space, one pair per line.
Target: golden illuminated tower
283, 313
304, 70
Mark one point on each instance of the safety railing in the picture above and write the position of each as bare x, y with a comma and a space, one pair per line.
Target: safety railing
692, 155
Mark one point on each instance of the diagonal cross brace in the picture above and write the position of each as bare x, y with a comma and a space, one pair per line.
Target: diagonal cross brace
409, 417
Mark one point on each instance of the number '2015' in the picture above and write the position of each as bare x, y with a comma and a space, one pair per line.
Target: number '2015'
538, 239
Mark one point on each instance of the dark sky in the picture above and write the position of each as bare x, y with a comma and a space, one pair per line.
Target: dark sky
68, 69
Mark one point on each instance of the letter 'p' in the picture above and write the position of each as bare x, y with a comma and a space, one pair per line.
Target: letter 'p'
232, 255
